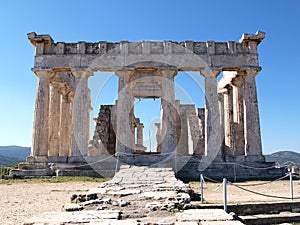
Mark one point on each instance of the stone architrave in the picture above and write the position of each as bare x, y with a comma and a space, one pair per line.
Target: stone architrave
80, 115
124, 133
213, 139
168, 126
41, 126
54, 120
65, 125
253, 144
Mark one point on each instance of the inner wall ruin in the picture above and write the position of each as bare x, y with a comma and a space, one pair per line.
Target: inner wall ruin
221, 140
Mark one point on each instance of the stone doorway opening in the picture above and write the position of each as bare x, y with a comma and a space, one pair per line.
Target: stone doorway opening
147, 112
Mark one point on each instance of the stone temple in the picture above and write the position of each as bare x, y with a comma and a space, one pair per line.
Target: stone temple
221, 140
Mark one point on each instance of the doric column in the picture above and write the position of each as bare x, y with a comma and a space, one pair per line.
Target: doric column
54, 120
158, 138
238, 114
124, 133
65, 125
228, 120
221, 110
213, 139
201, 142
168, 112
40, 127
251, 122
81, 107
139, 134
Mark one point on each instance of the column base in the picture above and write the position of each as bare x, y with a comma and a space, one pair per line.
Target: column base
255, 158
37, 159
76, 159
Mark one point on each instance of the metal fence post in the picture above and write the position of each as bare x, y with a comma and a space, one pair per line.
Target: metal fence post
225, 194
201, 188
291, 186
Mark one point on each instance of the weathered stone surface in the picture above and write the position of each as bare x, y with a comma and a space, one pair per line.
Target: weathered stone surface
73, 207
203, 215
122, 193
73, 217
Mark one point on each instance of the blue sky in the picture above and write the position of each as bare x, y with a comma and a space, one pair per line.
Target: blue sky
197, 20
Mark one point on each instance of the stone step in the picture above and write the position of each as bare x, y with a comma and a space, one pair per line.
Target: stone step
31, 173
261, 219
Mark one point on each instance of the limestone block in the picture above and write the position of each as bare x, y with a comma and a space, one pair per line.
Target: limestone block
203, 215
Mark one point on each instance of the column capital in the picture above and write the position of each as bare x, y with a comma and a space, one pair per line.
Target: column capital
82, 72
124, 73
168, 72
210, 72
225, 90
42, 73
238, 81
250, 71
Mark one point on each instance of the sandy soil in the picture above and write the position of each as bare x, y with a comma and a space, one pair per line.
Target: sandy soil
22, 200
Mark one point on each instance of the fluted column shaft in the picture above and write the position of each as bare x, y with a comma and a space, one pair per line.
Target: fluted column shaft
228, 121
238, 115
65, 125
213, 139
168, 112
80, 117
40, 127
124, 132
54, 121
253, 144
139, 136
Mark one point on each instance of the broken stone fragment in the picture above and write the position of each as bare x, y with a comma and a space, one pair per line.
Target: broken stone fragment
122, 203
101, 207
77, 198
73, 207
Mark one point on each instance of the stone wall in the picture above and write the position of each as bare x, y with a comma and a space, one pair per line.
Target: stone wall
104, 139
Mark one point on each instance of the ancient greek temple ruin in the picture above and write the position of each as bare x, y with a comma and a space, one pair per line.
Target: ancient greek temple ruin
222, 139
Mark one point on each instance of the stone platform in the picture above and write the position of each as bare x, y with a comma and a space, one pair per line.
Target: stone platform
187, 168
136, 195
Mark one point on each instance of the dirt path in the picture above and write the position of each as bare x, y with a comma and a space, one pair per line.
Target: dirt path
22, 200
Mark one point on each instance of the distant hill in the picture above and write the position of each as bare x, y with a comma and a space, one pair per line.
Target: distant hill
288, 158
10, 155
8, 161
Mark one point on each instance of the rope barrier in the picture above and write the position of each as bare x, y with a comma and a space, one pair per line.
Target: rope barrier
88, 164
161, 154
101, 160
295, 175
212, 180
261, 194
218, 187
268, 182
